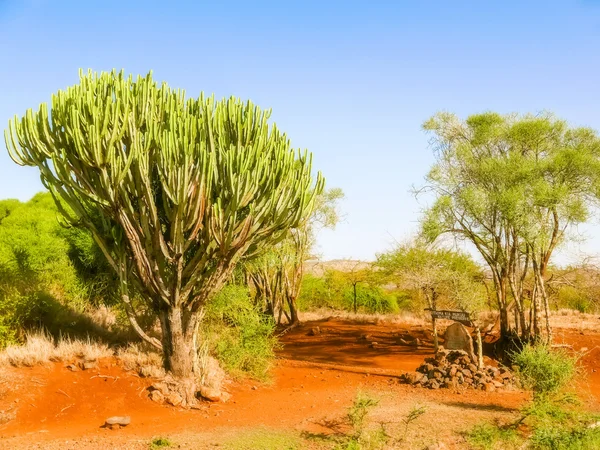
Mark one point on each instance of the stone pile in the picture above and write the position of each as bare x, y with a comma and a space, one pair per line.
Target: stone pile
454, 368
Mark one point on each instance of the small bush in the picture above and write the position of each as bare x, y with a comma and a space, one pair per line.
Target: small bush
239, 335
160, 442
572, 298
264, 440
489, 437
543, 370
359, 410
370, 299
556, 436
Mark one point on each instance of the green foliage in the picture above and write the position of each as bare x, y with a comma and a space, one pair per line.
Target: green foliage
557, 436
335, 291
544, 370
359, 410
492, 437
160, 442
513, 186
572, 298
360, 439
239, 334
444, 277
37, 277
560, 424
264, 440
174, 190
557, 424
370, 299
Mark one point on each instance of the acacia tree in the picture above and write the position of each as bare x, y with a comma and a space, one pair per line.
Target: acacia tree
277, 274
444, 278
174, 190
512, 186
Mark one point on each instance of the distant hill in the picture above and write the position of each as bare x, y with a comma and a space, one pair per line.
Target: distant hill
318, 268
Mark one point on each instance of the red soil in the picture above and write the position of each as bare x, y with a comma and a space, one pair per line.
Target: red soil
315, 378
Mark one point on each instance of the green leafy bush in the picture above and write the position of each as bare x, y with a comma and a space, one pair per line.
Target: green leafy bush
36, 273
488, 436
49, 275
572, 298
239, 334
544, 370
370, 299
335, 292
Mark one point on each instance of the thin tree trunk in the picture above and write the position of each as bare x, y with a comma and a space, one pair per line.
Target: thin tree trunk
355, 305
294, 320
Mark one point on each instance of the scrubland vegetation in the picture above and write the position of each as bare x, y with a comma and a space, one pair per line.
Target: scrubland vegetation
177, 231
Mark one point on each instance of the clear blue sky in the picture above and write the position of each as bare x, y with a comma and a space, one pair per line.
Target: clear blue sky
352, 81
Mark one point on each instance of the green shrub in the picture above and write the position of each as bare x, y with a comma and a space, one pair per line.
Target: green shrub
35, 269
49, 275
487, 436
572, 298
357, 413
264, 440
321, 292
557, 436
370, 299
544, 370
160, 442
239, 334
335, 292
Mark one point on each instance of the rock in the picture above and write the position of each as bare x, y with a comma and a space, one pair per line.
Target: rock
457, 337
365, 337
163, 388
116, 422
314, 331
88, 365
489, 387
412, 377
374, 345
212, 395
416, 342
157, 396
434, 385
453, 370
73, 368
173, 399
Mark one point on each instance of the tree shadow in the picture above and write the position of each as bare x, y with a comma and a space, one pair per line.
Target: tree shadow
480, 407
63, 321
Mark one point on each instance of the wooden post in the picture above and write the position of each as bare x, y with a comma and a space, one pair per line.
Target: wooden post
479, 348
435, 336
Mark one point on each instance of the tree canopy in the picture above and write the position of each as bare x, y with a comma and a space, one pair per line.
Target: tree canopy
174, 190
513, 186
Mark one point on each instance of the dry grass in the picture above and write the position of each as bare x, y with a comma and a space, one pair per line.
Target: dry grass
39, 349
403, 317
574, 320
145, 361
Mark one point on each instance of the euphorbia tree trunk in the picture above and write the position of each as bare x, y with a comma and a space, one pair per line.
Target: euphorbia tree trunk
177, 344
174, 191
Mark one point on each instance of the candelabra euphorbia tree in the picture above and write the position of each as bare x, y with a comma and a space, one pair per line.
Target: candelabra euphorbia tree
174, 190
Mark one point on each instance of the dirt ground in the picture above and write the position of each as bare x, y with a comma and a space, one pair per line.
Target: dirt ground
313, 383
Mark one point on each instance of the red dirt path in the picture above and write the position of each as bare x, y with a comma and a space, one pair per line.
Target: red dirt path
314, 381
